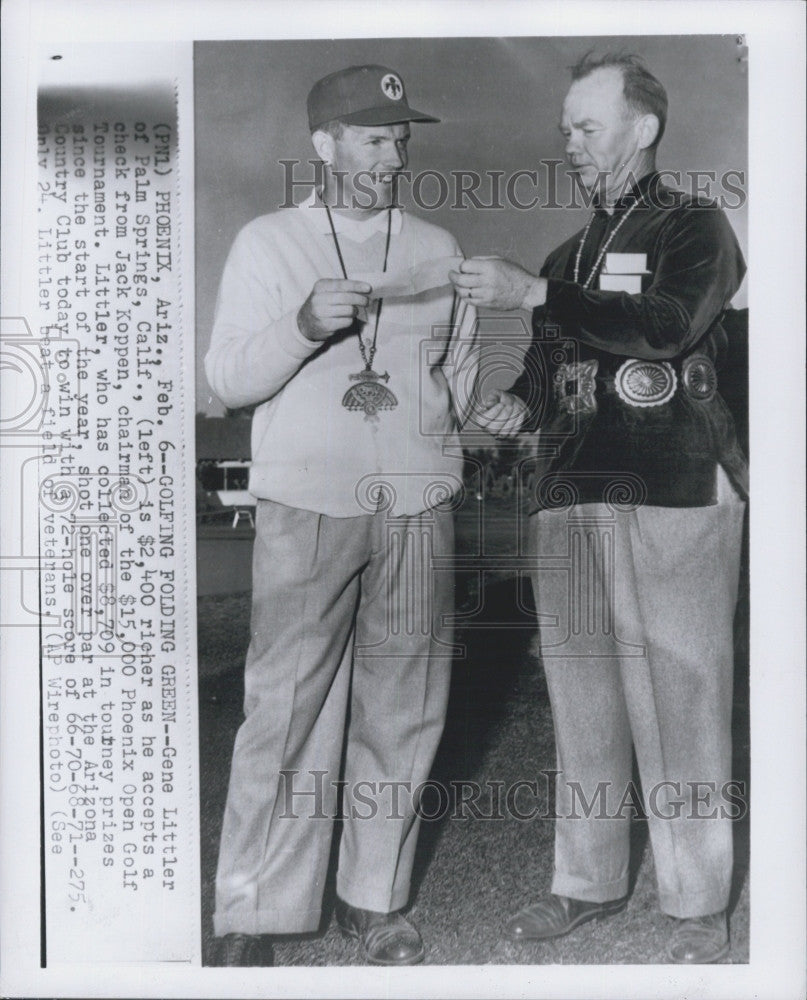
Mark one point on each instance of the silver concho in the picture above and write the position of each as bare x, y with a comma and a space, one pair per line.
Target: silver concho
575, 385
645, 383
699, 378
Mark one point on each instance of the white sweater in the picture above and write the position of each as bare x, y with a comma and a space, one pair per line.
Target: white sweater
308, 450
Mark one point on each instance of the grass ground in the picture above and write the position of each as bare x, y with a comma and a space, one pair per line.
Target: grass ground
471, 873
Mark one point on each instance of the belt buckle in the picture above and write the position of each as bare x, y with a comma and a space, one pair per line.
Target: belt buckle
645, 383
575, 385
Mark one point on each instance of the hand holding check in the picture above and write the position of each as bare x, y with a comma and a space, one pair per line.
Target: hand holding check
332, 305
498, 284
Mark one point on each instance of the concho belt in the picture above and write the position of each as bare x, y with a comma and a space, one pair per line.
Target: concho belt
637, 382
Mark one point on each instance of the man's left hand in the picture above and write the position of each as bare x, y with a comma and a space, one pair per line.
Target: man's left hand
503, 414
496, 283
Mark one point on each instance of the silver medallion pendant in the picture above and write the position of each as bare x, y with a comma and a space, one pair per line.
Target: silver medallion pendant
369, 394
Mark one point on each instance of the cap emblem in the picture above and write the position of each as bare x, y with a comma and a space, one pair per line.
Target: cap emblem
392, 86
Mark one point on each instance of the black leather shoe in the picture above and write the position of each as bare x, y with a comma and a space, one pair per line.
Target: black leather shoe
385, 938
245, 950
700, 940
554, 916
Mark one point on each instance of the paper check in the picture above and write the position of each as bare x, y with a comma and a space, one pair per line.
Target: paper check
411, 281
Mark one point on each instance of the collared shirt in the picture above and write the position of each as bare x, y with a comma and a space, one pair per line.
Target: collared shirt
308, 450
695, 268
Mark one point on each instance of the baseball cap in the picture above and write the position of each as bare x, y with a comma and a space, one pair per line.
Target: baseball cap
362, 95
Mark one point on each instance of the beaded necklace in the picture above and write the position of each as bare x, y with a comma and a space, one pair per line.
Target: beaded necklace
605, 246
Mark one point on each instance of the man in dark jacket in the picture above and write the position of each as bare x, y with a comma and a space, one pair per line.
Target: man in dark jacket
635, 539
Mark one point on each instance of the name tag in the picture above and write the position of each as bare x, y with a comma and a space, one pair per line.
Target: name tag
625, 263
630, 283
622, 272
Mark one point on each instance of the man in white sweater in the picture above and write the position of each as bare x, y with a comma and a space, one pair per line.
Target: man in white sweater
356, 459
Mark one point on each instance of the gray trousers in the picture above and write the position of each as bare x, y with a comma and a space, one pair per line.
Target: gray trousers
347, 622
635, 613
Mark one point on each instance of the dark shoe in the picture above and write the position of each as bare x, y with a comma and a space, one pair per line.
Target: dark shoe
700, 940
554, 916
245, 950
386, 938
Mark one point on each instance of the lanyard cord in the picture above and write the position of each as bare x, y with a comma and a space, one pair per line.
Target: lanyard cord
366, 357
